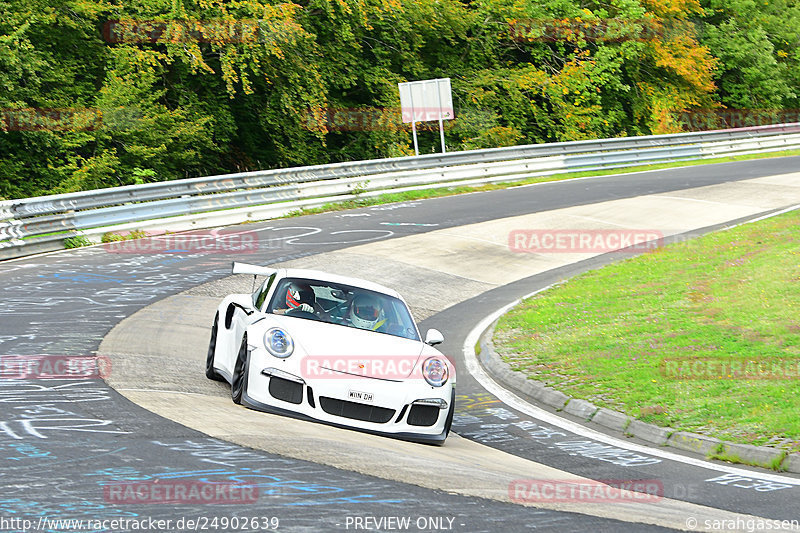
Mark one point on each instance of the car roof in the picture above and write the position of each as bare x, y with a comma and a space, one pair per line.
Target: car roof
336, 278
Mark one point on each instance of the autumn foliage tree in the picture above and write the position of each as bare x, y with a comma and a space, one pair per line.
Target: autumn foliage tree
97, 93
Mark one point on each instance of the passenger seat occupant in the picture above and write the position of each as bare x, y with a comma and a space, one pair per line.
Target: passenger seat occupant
366, 312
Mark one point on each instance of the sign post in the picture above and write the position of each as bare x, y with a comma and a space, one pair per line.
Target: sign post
426, 100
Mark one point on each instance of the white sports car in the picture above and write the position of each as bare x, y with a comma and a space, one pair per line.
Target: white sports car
333, 349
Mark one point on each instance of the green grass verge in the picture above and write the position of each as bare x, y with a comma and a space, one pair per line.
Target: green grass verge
406, 196
76, 241
733, 296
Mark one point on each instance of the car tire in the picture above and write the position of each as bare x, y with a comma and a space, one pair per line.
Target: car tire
239, 379
212, 348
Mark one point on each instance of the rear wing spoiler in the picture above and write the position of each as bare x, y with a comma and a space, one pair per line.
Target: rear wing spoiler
255, 270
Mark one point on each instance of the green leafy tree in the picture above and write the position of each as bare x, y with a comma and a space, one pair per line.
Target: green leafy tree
757, 44
100, 94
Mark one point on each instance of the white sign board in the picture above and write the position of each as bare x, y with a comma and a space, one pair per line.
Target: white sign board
426, 100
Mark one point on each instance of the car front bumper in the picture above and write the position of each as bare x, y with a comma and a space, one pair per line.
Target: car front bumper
408, 409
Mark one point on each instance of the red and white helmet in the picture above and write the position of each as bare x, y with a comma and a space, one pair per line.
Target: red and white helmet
297, 295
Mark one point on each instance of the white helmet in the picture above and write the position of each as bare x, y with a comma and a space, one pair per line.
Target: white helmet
366, 312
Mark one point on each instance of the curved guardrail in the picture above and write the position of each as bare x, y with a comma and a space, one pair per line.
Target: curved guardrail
40, 224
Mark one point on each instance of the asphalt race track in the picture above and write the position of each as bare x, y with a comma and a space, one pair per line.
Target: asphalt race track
67, 443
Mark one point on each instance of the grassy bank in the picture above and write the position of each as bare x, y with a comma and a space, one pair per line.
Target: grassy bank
629, 336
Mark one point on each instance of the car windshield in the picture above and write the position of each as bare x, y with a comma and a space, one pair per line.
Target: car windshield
335, 303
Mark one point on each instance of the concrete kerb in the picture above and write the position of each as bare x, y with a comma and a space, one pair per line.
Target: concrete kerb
792, 463
755, 455
514, 380
648, 432
611, 419
708, 447
581, 408
693, 442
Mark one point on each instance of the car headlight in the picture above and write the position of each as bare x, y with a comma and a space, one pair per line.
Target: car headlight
435, 371
279, 343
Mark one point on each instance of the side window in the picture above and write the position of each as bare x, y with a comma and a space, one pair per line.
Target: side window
259, 299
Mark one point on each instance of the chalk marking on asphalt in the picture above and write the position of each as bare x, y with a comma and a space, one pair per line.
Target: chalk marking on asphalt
386, 235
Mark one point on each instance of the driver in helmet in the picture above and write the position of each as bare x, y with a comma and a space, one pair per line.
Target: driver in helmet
366, 312
300, 297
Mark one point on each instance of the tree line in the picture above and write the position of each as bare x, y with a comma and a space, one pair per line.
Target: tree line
102, 93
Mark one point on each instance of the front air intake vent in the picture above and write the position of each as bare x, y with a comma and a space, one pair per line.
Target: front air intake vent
423, 415
283, 389
356, 411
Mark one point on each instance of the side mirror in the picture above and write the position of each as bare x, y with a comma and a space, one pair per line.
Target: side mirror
434, 337
244, 268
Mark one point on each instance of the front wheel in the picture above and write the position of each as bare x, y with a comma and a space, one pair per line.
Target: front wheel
239, 380
212, 348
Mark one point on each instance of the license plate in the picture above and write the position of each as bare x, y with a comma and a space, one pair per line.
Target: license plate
360, 396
